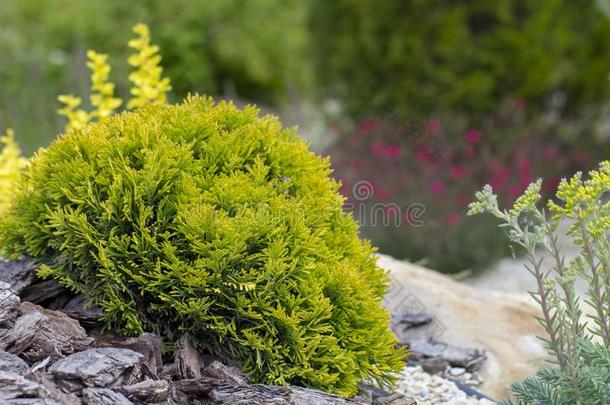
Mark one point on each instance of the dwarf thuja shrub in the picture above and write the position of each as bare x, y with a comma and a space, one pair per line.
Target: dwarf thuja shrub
580, 353
207, 219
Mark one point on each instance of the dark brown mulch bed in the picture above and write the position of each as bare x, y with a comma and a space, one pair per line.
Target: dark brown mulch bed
51, 352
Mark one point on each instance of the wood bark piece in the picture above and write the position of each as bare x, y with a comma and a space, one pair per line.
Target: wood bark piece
198, 387
51, 392
267, 394
104, 396
11, 363
230, 375
177, 397
168, 371
466, 357
32, 389
147, 391
40, 332
394, 399
188, 360
33, 401
78, 308
46, 292
215, 375
306, 396
100, 367
147, 344
408, 319
13, 385
18, 273
9, 301
443, 354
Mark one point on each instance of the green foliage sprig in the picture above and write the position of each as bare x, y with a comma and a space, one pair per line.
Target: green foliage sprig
581, 353
207, 219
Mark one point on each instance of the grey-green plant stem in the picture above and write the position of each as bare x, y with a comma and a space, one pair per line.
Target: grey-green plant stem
596, 294
548, 320
572, 309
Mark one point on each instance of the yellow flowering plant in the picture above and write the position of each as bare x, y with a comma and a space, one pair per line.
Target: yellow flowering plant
102, 97
11, 165
149, 87
581, 354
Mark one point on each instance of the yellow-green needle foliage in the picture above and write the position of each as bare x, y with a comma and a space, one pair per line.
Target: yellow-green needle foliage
207, 219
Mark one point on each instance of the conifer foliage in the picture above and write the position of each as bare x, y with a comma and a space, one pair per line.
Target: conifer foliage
208, 219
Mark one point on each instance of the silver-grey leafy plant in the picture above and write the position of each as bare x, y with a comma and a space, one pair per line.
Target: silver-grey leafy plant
580, 351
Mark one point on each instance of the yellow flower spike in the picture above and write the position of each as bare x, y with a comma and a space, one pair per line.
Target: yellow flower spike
148, 84
102, 91
11, 165
77, 118
149, 87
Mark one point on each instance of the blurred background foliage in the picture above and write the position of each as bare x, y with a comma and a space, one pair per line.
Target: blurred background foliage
252, 49
420, 57
426, 101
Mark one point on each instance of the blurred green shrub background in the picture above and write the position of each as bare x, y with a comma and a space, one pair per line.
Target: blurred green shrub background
253, 50
420, 57
508, 91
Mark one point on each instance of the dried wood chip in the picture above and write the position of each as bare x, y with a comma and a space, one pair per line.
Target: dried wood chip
104, 396
18, 273
100, 367
214, 376
78, 308
9, 301
229, 375
265, 394
198, 387
394, 399
10, 362
425, 352
147, 391
188, 360
13, 385
46, 292
147, 344
33, 389
40, 332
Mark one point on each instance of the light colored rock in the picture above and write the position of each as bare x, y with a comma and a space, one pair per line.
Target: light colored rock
456, 371
501, 323
429, 389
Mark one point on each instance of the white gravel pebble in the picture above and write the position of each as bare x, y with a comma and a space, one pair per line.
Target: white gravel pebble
429, 389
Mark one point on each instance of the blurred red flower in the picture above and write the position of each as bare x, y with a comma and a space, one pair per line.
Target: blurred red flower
458, 172
452, 219
433, 126
473, 136
369, 125
437, 187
